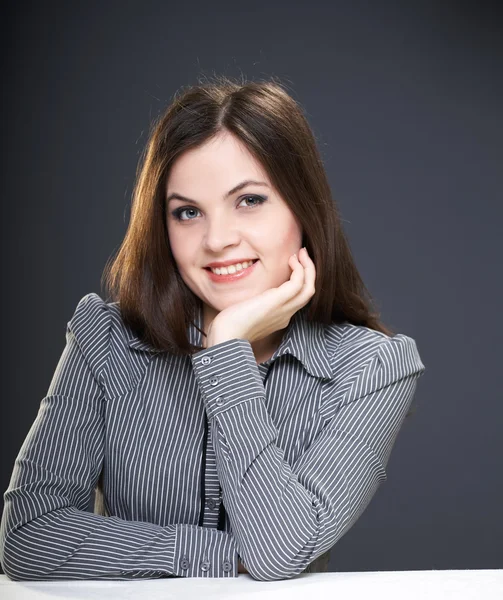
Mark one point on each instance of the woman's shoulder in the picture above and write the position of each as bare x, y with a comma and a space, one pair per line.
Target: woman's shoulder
117, 356
90, 325
355, 346
95, 319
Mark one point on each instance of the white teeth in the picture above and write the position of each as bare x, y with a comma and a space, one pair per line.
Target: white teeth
232, 268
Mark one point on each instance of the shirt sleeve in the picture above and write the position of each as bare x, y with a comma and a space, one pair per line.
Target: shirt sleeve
46, 532
284, 516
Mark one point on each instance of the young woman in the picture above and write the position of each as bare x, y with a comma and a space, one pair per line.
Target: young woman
235, 401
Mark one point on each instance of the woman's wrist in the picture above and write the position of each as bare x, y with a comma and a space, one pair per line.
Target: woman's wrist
216, 337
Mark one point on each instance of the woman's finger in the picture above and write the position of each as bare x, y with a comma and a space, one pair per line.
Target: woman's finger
305, 290
310, 270
291, 288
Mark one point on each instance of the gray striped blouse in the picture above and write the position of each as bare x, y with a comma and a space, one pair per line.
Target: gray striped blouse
203, 459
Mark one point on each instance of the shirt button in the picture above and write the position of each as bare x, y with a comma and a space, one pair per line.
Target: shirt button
205, 565
227, 566
214, 381
211, 504
206, 360
219, 401
184, 563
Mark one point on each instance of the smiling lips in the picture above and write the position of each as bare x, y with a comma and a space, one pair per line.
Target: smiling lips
231, 276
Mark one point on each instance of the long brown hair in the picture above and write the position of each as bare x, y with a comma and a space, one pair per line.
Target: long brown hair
143, 277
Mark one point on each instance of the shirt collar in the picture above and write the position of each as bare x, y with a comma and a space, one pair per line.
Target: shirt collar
303, 339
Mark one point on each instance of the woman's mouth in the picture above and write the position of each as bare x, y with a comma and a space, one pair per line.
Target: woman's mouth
230, 277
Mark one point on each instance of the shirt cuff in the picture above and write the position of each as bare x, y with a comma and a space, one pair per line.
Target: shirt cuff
204, 552
220, 369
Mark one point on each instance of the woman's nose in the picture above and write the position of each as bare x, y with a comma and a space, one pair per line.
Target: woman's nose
221, 233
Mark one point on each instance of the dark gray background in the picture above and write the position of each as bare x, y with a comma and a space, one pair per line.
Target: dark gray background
406, 102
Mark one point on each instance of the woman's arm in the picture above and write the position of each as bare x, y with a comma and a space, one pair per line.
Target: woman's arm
46, 529
284, 515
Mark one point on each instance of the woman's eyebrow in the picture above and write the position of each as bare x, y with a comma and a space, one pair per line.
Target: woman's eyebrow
236, 188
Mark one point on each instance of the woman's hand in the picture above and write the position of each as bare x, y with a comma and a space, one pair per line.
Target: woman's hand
271, 310
241, 567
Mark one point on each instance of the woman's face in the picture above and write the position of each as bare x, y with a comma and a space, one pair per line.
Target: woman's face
217, 226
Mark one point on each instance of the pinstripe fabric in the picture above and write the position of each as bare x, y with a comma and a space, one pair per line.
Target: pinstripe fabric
203, 457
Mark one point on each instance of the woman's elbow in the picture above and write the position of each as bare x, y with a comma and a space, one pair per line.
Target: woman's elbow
270, 571
13, 568
19, 564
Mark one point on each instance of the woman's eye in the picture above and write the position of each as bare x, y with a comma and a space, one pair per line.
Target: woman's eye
177, 214
259, 199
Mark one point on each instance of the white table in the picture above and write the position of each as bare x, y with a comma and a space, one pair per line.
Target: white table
370, 585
